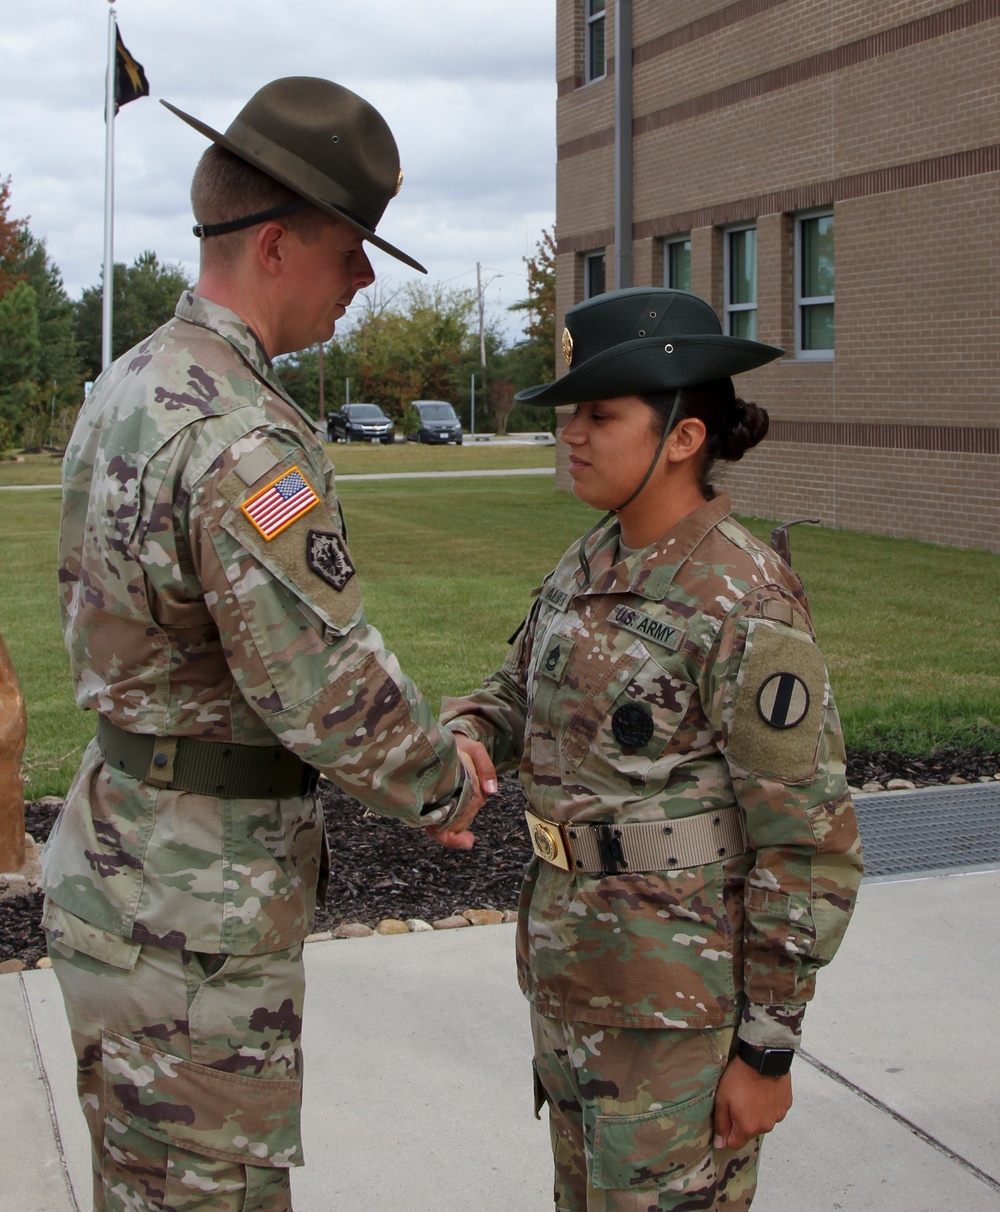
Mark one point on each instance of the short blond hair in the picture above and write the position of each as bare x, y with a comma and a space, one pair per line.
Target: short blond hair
227, 187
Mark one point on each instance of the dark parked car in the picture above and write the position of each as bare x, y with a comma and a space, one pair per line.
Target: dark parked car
359, 423
438, 422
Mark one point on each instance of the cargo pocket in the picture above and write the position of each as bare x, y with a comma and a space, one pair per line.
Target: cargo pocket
657, 1147
249, 1121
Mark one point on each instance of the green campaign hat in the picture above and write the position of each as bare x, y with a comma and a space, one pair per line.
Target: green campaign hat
325, 143
644, 339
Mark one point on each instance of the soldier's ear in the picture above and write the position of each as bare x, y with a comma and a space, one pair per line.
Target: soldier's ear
270, 245
686, 439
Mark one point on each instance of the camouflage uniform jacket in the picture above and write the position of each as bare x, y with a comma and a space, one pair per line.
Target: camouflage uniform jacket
200, 600
688, 633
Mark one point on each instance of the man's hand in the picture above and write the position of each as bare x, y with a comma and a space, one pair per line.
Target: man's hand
455, 834
747, 1104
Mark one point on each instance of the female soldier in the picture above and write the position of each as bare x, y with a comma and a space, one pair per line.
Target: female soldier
697, 850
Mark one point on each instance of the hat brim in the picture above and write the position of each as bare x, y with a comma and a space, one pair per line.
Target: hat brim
652, 364
322, 204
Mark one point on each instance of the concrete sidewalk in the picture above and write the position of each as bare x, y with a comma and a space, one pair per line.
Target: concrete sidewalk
418, 1091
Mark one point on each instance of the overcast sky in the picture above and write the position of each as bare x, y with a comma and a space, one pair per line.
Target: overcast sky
467, 88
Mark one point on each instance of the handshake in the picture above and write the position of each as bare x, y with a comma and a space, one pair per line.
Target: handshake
455, 833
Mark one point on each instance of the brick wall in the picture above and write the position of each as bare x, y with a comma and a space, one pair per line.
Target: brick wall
889, 112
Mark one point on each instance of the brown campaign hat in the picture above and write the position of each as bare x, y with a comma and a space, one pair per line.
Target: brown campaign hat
322, 141
644, 339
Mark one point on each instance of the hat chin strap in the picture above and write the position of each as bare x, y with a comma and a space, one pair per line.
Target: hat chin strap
581, 551
204, 230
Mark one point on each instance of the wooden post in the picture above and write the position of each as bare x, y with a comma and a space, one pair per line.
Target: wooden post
13, 730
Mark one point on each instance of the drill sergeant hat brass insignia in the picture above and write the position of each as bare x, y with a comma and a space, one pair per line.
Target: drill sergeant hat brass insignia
567, 346
327, 557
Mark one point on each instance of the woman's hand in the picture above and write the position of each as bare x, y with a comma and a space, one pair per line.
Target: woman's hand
747, 1103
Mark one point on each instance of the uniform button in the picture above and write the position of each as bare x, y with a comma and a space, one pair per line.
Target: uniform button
160, 760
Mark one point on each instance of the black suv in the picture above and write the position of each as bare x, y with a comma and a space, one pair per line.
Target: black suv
438, 422
359, 423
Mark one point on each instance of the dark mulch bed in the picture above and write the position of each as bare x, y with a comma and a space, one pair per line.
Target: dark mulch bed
381, 870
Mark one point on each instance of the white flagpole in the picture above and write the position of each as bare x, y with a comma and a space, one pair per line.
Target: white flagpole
109, 196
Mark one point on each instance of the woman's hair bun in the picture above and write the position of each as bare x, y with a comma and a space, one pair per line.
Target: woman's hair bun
744, 427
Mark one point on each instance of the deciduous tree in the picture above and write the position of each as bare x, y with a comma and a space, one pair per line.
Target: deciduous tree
144, 296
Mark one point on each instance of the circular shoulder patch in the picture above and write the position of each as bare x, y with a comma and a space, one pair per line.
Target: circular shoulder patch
783, 700
632, 726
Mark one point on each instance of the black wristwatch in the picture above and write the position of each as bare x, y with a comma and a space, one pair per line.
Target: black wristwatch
771, 1062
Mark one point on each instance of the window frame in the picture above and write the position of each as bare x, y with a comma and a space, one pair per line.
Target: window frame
730, 308
591, 20
804, 301
672, 242
589, 258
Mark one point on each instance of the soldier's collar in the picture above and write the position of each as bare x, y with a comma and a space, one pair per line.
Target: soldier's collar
196, 309
649, 572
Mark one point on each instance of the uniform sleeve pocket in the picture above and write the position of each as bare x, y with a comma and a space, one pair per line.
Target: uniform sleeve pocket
252, 1121
637, 1151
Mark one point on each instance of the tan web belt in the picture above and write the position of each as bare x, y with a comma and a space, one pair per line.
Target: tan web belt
609, 849
218, 768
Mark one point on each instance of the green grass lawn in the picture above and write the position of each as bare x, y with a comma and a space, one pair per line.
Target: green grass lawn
447, 566
354, 458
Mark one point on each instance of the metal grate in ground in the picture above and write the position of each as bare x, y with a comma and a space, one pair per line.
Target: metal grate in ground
931, 828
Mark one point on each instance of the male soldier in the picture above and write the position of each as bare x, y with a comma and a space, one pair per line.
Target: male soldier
214, 623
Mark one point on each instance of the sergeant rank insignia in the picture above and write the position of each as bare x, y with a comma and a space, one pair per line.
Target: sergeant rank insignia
327, 557
280, 503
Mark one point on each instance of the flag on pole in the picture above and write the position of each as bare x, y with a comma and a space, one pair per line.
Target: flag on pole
130, 79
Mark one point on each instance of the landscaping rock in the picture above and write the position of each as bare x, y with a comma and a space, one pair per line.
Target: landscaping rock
450, 923
901, 785
391, 925
483, 917
353, 930
12, 965
417, 925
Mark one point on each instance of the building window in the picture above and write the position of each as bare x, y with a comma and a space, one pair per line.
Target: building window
814, 285
741, 282
596, 60
677, 264
593, 275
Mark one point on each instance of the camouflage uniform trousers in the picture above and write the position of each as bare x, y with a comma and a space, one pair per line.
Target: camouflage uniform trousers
630, 1116
189, 1073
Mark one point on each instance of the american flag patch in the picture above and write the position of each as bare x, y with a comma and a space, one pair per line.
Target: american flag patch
280, 503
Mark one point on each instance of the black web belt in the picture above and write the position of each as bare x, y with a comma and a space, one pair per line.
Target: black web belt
218, 768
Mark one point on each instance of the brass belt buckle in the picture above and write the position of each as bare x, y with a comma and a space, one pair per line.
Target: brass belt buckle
548, 841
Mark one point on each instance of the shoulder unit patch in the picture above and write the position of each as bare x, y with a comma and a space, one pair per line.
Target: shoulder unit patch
783, 700
327, 556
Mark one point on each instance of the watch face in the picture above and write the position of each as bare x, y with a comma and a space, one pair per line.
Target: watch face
776, 1062
770, 1062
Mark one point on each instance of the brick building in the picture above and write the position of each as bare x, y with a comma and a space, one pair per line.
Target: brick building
827, 174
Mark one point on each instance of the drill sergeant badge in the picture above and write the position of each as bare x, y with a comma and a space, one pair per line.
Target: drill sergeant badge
327, 556
632, 726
